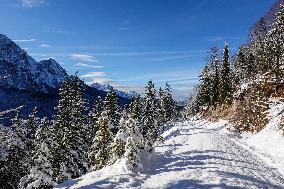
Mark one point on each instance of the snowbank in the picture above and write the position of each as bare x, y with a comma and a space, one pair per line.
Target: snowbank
269, 142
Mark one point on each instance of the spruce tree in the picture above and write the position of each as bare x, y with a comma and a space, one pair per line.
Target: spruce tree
134, 145
63, 121
136, 108
75, 136
203, 92
112, 110
128, 143
40, 174
169, 104
149, 119
117, 147
276, 42
100, 150
16, 163
161, 109
69, 151
225, 88
214, 77
31, 125
93, 117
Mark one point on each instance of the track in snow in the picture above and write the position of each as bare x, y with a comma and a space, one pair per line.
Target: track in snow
196, 155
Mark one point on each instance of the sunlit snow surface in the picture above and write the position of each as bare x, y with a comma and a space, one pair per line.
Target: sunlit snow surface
198, 154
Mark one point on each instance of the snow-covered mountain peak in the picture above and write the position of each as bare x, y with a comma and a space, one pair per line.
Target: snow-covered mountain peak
21, 71
108, 87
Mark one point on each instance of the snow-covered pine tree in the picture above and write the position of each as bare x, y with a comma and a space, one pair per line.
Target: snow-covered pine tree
15, 163
31, 127
112, 110
203, 91
132, 154
100, 150
128, 142
93, 116
117, 147
258, 40
70, 148
214, 77
169, 104
40, 175
161, 109
276, 42
63, 121
75, 137
134, 145
149, 119
136, 108
225, 84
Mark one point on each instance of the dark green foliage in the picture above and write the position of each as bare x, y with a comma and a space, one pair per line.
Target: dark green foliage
149, 119
112, 111
225, 84
69, 150
100, 150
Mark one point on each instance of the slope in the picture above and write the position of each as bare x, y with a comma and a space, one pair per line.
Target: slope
195, 154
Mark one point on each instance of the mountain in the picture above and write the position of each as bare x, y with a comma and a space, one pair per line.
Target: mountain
21, 71
108, 87
26, 82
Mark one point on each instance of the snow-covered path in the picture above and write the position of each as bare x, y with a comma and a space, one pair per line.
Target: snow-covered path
193, 155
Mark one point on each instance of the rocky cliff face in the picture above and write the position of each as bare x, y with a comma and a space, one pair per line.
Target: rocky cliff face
21, 71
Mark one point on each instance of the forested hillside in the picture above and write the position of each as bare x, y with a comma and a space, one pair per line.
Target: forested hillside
40, 153
239, 86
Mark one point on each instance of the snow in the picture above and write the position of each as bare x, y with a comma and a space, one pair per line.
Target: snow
107, 88
269, 142
194, 154
21, 71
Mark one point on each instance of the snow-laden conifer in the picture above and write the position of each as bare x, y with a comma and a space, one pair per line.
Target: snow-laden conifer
40, 174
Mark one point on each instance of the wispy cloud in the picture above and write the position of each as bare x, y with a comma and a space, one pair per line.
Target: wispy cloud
93, 75
224, 38
88, 65
83, 57
44, 45
31, 3
165, 58
55, 30
24, 40
152, 53
102, 81
123, 29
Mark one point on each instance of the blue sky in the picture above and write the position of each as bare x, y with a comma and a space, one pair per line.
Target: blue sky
127, 42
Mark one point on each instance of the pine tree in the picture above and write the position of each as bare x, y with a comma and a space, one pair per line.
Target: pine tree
75, 136
169, 104
93, 116
128, 142
225, 88
136, 108
31, 130
203, 93
16, 162
100, 150
214, 77
111, 107
276, 42
149, 119
117, 147
134, 144
161, 108
63, 121
70, 148
40, 175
